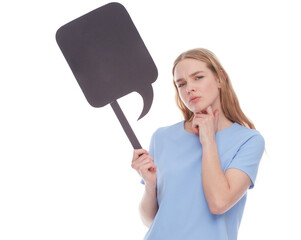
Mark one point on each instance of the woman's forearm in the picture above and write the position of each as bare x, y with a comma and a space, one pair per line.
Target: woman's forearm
215, 183
148, 206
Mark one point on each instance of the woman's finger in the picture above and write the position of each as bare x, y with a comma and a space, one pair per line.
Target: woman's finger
138, 152
144, 159
136, 164
145, 167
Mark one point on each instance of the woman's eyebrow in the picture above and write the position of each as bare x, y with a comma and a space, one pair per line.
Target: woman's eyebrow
191, 75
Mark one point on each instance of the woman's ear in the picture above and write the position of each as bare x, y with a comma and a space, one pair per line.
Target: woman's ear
218, 81
225, 77
224, 74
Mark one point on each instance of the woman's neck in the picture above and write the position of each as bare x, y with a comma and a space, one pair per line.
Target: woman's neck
223, 123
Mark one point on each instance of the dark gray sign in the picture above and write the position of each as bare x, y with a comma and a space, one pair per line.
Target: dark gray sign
109, 59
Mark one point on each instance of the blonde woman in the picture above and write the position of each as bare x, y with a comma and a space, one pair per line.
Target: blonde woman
197, 171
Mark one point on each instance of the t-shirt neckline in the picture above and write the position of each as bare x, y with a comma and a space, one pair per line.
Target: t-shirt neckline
221, 131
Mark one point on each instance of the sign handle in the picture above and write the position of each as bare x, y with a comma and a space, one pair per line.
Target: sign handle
125, 125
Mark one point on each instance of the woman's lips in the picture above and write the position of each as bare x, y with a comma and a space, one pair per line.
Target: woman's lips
194, 99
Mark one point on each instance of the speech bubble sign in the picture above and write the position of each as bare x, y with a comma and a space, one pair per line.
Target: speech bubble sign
107, 56
109, 59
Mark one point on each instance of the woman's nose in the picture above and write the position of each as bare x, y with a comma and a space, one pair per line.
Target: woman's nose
189, 87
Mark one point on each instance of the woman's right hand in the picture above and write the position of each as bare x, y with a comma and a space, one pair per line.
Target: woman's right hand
145, 166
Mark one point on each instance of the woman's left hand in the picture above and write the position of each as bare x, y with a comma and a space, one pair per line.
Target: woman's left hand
205, 124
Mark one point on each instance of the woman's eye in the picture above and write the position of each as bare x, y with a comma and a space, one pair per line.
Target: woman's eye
199, 77
181, 85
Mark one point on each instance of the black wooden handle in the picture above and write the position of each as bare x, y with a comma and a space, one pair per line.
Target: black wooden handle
125, 125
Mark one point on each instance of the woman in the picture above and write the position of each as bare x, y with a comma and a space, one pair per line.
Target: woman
197, 171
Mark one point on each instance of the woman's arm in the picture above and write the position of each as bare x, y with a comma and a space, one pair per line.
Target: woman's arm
222, 191
148, 206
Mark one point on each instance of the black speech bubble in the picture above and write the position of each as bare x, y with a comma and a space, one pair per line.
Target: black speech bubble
108, 59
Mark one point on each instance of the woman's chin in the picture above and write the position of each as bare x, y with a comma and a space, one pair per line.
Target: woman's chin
198, 110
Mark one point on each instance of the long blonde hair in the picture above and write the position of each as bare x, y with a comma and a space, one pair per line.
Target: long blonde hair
229, 101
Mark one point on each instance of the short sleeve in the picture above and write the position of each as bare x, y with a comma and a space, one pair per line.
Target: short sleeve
248, 157
151, 151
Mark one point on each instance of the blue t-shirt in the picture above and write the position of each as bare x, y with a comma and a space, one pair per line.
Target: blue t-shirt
183, 210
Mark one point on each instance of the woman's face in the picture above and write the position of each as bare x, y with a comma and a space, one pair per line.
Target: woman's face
198, 87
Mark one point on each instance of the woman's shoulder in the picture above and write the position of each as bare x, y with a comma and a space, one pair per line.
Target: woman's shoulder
245, 134
246, 131
169, 129
238, 135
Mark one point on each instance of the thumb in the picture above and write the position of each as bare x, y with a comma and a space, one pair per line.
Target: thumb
216, 114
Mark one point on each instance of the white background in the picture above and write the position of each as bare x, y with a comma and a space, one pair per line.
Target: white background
65, 170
